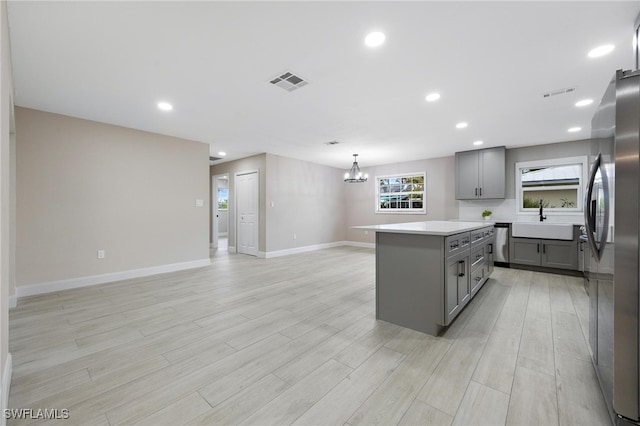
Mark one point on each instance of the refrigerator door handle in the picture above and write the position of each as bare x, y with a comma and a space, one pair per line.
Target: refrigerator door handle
588, 208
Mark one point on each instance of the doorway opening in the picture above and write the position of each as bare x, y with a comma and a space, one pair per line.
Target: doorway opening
220, 211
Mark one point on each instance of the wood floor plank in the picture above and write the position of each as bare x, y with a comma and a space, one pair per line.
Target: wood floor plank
301, 366
536, 346
497, 364
580, 400
362, 348
341, 402
236, 409
299, 398
449, 381
568, 337
179, 413
393, 397
420, 413
533, 399
482, 405
217, 391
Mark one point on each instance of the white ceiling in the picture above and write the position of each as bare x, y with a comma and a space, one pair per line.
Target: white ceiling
491, 62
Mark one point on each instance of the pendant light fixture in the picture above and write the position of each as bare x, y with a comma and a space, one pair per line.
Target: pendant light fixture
355, 175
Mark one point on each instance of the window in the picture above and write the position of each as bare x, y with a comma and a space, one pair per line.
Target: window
223, 198
558, 183
401, 193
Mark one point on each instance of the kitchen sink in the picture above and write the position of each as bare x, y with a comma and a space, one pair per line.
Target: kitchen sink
548, 231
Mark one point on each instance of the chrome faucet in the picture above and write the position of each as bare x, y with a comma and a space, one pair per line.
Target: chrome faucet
541, 217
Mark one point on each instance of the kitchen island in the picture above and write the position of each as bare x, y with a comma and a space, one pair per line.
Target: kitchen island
427, 272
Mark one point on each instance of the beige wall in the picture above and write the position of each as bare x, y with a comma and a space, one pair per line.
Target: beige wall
306, 199
6, 106
84, 186
256, 162
440, 197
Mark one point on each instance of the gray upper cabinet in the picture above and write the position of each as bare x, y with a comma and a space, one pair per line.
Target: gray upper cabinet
480, 174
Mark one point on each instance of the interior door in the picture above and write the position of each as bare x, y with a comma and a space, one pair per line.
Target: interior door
247, 212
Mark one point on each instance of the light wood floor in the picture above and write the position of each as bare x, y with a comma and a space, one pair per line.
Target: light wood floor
294, 340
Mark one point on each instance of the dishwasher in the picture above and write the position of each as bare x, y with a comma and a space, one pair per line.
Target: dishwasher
501, 257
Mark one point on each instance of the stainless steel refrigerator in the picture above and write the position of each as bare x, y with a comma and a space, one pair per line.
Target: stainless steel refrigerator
612, 208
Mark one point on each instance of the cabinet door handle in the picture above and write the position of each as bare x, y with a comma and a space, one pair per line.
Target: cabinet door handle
461, 270
476, 192
544, 248
490, 246
481, 192
538, 248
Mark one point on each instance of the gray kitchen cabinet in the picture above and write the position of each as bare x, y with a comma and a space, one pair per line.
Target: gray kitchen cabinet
457, 291
490, 257
480, 174
524, 251
423, 281
557, 254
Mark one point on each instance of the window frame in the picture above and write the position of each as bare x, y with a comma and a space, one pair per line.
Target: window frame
408, 210
566, 161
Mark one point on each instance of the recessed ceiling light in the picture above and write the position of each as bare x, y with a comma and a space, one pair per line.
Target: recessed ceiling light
374, 39
574, 129
432, 97
165, 106
584, 102
601, 50
461, 125
222, 153
478, 143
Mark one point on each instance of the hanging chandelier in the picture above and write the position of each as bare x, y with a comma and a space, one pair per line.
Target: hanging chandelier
355, 175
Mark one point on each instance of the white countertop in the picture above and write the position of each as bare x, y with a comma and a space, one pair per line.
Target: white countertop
432, 227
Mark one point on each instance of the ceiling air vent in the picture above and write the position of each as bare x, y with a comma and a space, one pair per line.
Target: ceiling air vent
215, 158
559, 92
332, 143
289, 81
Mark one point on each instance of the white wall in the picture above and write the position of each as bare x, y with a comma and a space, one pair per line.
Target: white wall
304, 199
440, 198
84, 186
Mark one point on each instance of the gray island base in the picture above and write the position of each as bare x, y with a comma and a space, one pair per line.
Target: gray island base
427, 272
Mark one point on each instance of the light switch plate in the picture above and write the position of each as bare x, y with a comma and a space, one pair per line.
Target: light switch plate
199, 203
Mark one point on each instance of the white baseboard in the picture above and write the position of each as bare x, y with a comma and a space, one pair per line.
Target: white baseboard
360, 244
6, 385
48, 287
13, 301
223, 234
287, 252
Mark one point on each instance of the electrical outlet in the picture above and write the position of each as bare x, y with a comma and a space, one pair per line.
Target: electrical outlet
199, 203
295, 236
101, 254
366, 232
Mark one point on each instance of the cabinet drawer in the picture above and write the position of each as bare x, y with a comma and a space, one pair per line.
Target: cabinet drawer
488, 232
455, 244
478, 277
478, 255
477, 237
